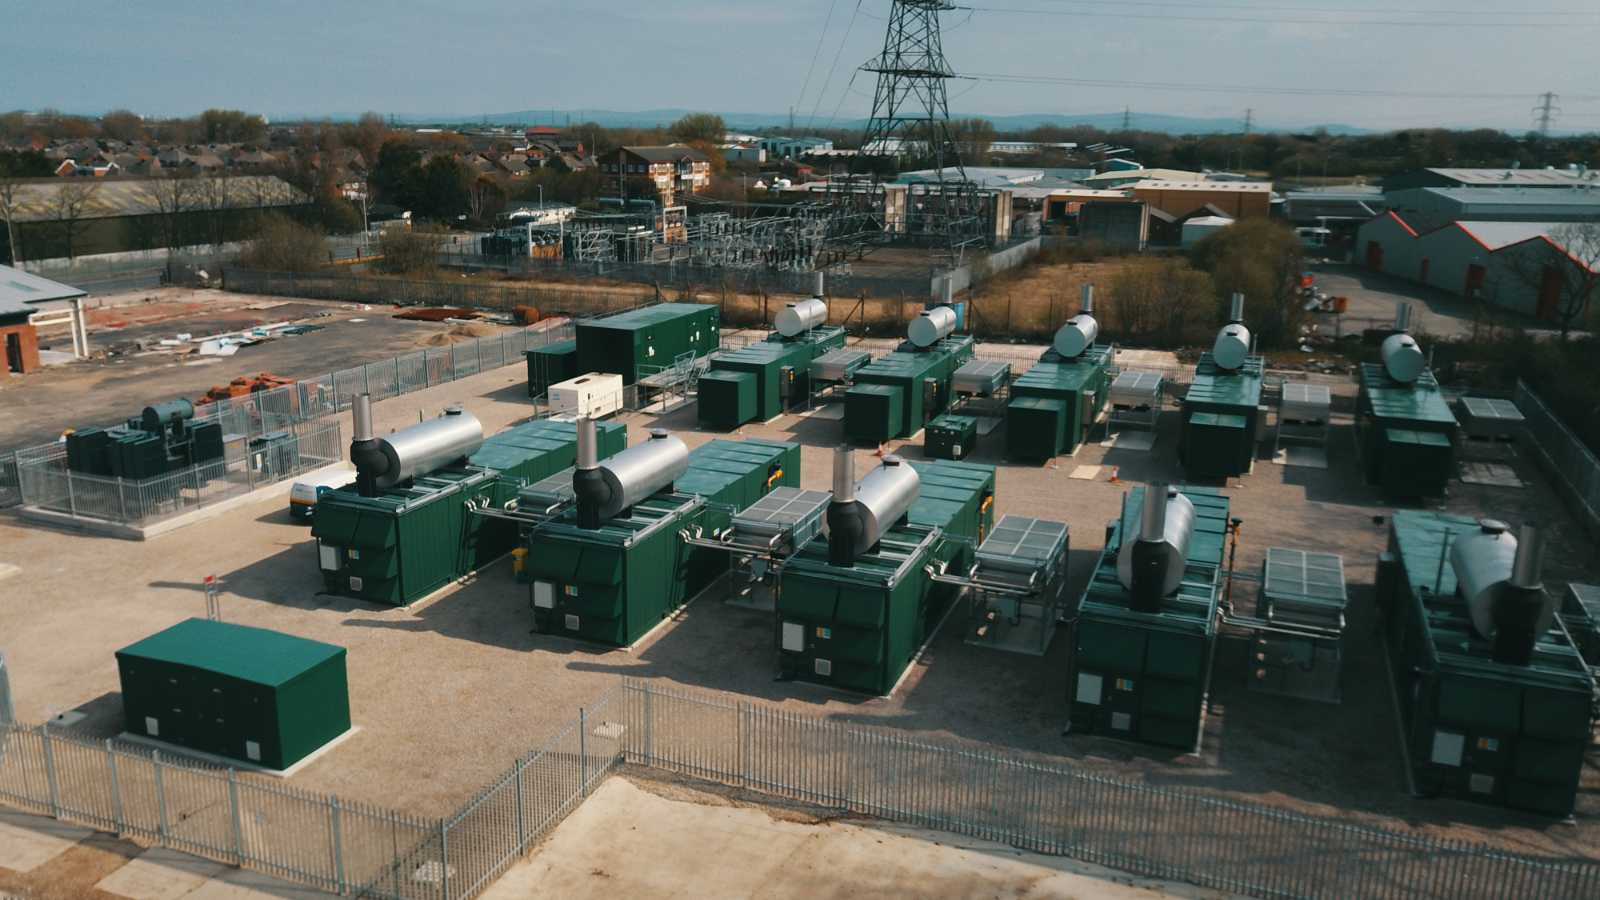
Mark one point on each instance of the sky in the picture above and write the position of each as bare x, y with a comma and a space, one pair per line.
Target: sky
1484, 61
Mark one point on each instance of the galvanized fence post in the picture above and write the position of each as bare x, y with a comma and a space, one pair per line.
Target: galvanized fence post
122, 500
116, 786
336, 825
72, 500
161, 796
742, 729
237, 817
522, 831
444, 859
50, 771
8, 715
583, 752
195, 471
649, 726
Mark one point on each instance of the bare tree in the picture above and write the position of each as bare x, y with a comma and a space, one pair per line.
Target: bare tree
167, 197
212, 196
10, 203
67, 207
1566, 270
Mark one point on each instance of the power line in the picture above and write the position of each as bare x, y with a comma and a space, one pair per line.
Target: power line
823, 91
1383, 9
1008, 78
1282, 20
815, 54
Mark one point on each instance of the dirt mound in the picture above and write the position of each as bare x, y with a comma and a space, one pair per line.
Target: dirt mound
457, 333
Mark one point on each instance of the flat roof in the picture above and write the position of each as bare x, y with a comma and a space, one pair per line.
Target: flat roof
115, 197
1240, 187
256, 655
1509, 176
21, 291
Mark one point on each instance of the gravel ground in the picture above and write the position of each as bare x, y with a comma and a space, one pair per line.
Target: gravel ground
449, 693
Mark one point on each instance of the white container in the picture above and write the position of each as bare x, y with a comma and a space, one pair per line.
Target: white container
596, 395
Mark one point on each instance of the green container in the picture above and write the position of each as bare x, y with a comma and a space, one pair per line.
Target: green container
551, 364
641, 341
1406, 433
922, 380
1144, 676
248, 694
781, 373
613, 584
873, 412
730, 476
1034, 426
1080, 384
1220, 416
950, 437
726, 400
1477, 729
855, 627
958, 499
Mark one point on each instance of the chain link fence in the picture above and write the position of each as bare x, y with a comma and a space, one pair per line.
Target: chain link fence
272, 435
1564, 456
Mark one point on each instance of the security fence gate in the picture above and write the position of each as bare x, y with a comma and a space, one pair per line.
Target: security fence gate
878, 772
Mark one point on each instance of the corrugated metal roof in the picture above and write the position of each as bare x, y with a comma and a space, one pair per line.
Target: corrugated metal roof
1390, 399
22, 291
1240, 187
1555, 198
1216, 386
1510, 177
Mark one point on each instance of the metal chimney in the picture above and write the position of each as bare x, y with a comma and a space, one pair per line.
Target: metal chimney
1527, 569
821, 282
844, 475
1236, 307
949, 288
1402, 317
1086, 305
1153, 518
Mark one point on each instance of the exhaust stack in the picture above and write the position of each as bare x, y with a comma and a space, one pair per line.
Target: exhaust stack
1521, 610
845, 525
588, 485
365, 453
818, 291
1086, 305
1236, 307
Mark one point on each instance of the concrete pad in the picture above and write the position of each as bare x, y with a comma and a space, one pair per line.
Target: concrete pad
160, 874
832, 412
1307, 457
1491, 474
243, 884
1131, 440
1086, 473
7, 570
28, 842
630, 841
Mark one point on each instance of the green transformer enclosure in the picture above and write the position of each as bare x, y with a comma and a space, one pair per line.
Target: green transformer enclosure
779, 373
551, 364
612, 585
950, 437
1477, 729
918, 383
958, 499
257, 696
409, 541
1406, 432
856, 627
1221, 413
652, 338
1144, 676
1054, 404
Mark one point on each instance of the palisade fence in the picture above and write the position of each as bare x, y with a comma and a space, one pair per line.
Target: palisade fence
293, 420
1563, 456
876, 772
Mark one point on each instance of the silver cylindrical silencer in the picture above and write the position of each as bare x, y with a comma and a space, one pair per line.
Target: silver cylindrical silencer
588, 456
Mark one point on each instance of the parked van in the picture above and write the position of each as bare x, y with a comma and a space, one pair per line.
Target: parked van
303, 495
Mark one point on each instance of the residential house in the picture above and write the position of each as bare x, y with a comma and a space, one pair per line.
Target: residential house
675, 170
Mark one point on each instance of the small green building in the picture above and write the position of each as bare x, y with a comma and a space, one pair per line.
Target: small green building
1145, 676
898, 393
551, 364
651, 338
759, 382
1055, 403
1474, 728
1221, 413
257, 696
1406, 432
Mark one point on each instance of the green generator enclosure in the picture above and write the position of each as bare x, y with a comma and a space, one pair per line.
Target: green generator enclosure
1080, 388
1221, 413
950, 437
855, 627
613, 584
958, 499
649, 339
725, 400
920, 380
1145, 676
1477, 729
248, 694
780, 378
551, 364
409, 541
1406, 432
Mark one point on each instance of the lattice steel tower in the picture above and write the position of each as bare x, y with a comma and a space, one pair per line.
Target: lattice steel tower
911, 113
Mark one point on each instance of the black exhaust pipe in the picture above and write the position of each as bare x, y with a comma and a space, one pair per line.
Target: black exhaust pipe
1150, 552
845, 526
1519, 605
588, 485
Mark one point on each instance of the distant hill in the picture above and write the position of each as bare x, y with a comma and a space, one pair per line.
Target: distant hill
755, 121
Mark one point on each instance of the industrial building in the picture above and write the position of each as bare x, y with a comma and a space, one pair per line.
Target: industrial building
249, 695
1404, 428
1514, 177
28, 302
1494, 697
1181, 198
649, 340
1146, 627
1532, 268
900, 392
1222, 413
1426, 209
1055, 403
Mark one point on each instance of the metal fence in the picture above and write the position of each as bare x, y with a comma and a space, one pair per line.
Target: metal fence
354, 287
38, 476
211, 811
1564, 456
46, 483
